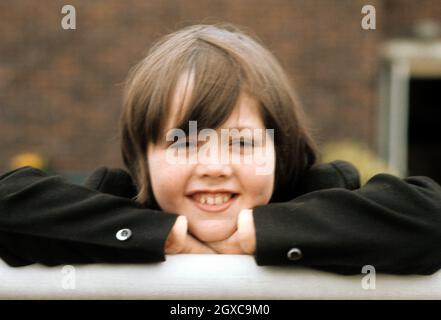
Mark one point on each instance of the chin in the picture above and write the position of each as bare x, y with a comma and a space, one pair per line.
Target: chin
210, 233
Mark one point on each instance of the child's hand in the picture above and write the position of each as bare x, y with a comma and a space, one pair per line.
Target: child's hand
230, 245
243, 241
179, 241
193, 245
246, 231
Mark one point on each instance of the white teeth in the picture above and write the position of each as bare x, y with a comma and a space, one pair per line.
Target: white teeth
218, 200
212, 199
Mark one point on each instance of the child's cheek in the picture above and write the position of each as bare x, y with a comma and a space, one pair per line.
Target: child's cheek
257, 188
168, 181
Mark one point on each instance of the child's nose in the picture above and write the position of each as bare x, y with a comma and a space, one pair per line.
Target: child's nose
213, 159
214, 169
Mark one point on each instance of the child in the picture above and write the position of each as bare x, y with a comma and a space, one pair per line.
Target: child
185, 199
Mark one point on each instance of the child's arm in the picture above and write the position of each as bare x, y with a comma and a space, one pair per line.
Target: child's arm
47, 220
391, 223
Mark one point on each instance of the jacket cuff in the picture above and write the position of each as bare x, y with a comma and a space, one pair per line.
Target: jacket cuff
148, 237
272, 246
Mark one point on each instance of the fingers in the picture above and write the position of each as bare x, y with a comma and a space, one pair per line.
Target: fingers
194, 246
246, 231
176, 240
243, 241
179, 241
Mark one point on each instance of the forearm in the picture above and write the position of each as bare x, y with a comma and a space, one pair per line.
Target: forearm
48, 220
392, 224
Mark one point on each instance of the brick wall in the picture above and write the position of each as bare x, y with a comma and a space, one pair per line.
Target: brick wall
403, 14
60, 91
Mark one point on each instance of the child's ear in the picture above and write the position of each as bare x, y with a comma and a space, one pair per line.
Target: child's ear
112, 181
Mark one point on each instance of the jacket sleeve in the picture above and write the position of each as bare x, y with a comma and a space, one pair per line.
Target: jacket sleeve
44, 219
390, 223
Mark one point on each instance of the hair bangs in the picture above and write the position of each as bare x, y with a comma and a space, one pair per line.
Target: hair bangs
213, 83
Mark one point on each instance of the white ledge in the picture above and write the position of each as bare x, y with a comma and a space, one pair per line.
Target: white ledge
204, 277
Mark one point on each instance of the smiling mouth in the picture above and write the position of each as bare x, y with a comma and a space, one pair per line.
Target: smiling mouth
213, 202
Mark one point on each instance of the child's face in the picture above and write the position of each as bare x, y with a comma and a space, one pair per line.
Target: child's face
183, 188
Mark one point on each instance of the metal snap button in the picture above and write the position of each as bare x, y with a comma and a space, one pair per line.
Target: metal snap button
295, 254
123, 234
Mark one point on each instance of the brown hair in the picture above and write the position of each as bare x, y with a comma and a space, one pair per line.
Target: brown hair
224, 61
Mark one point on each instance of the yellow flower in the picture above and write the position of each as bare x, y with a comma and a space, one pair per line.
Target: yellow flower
27, 159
